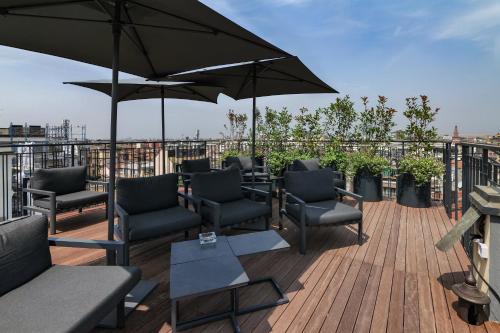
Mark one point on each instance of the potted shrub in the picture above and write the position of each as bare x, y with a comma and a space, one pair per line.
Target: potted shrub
366, 170
414, 181
418, 166
373, 132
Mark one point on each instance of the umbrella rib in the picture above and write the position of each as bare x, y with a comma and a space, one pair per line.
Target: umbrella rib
130, 93
198, 93
214, 30
141, 44
45, 5
244, 83
298, 78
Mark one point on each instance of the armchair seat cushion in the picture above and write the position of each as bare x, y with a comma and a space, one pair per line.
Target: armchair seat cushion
326, 212
73, 200
236, 212
66, 298
161, 222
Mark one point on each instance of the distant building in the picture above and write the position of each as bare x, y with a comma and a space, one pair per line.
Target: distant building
456, 136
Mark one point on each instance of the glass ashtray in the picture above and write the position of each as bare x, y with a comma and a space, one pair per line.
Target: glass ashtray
208, 239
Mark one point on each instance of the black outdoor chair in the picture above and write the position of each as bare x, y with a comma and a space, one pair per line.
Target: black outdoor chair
244, 163
60, 189
188, 167
149, 207
310, 200
221, 200
37, 296
314, 164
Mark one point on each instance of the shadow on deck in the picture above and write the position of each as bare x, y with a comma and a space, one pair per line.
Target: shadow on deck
396, 281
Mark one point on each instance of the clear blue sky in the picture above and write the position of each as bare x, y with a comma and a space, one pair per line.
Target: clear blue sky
449, 50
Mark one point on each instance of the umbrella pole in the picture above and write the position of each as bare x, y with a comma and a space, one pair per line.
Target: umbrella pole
254, 107
163, 128
114, 112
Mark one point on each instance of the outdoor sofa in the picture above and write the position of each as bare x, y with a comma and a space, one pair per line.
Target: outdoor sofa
149, 207
311, 201
37, 296
222, 201
61, 189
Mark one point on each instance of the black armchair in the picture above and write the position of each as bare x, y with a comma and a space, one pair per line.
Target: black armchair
244, 163
310, 201
314, 164
149, 207
219, 198
59, 189
36, 296
189, 167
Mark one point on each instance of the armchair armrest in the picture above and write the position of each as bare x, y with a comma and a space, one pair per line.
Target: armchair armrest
355, 196
261, 193
289, 197
117, 246
39, 192
215, 206
195, 201
123, 221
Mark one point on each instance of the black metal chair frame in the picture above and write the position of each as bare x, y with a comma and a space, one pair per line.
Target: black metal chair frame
123, 221
198, 202
52, 212
301, 223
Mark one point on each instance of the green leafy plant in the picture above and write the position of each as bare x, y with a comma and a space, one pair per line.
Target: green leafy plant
419, 160
423, 168
339, 118
308, 131
359, 160
231, 153
279, 160
375, 124
333, 155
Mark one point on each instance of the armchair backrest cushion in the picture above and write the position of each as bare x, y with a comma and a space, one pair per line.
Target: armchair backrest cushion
24, 251
147, 194
220, 186
311, 186
306, 165
200, 165
243, 162
60, 180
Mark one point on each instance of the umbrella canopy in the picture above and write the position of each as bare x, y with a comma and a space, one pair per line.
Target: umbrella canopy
137, 89
148, 38
281, 76
158, 37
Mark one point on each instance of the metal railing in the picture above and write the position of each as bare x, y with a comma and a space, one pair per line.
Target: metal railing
144, 158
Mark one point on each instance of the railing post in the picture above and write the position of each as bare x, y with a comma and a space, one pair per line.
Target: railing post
72, 155
456, 182
485, 167
447, 179
465, 178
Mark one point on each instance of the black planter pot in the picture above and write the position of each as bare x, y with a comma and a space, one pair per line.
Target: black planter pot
368, 185
411, 195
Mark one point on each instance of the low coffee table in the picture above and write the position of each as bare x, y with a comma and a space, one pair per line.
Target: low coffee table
196, 271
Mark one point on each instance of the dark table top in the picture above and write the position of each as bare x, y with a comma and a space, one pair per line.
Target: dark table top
196, 271
195, 278
257, 242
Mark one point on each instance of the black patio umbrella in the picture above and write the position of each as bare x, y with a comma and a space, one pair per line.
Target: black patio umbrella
159, 38
137, 89
280, 76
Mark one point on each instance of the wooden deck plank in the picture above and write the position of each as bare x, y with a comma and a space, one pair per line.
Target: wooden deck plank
397, 281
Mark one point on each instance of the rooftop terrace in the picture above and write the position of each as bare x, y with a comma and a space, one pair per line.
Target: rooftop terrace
397, 281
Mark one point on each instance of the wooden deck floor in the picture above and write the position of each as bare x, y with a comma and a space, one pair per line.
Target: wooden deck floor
395, 282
